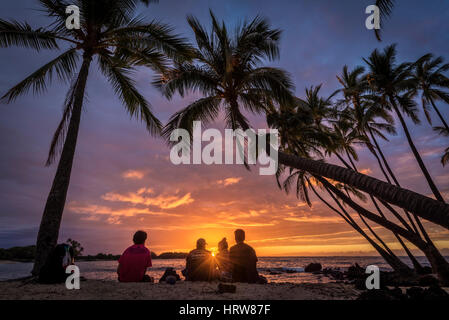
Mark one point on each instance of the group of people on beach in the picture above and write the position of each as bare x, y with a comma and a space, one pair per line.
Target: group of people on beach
237, 264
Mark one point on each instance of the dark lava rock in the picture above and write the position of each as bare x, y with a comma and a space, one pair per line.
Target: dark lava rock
382, 295
360, 284
313, 267
332, 273
415, 293
226, 288
428, 280
169, 272
432, 293
394, 279
355, 272
425, 270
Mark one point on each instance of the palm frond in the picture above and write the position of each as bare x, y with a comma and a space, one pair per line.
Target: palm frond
136, 105
445, 157
13, 33
205, 110
187, 77
157, 35
64, 66
385, 8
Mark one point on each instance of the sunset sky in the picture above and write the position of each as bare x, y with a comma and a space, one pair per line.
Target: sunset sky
123, 180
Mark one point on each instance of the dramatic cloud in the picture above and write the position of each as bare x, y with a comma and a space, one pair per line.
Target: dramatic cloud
229, 181
142, 197
133, 174
127, 212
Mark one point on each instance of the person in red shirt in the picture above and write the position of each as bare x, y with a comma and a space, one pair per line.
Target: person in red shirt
134, 262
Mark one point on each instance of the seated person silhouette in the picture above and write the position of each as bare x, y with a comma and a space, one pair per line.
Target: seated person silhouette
200, 265
244, 260
223, 261
133, 263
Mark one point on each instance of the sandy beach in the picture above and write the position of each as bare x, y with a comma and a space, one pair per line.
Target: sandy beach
106, 290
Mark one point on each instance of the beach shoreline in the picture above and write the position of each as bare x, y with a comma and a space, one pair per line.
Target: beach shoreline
182, 290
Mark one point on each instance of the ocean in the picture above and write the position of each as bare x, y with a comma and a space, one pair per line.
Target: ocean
276, 269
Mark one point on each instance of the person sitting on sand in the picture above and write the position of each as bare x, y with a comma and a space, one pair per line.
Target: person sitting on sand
244, 261
134, 262
223, 262
200, 265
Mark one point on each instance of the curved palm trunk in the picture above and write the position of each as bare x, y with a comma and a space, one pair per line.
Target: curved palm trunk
437, 261
424, 207
440, 115
392, 261
51, 219
421, 164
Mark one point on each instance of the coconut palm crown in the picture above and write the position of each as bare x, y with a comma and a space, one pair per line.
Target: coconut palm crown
226, 72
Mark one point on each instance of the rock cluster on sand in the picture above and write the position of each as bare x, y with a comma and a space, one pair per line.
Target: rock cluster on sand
412, 294
313, 267
169, 273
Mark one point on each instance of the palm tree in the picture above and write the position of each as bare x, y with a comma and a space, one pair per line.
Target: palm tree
430, 80
364, 113
226, 71
395, 86
119, 42
301, 134
437, 261
319, 109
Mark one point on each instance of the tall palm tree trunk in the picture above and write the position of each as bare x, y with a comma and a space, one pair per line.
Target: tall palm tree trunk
440, 115
392, 261
421, 164
418, 267
384, 159
415, 262
389, 256
439, 264
51, 219
393, 176
379, 162
354, 167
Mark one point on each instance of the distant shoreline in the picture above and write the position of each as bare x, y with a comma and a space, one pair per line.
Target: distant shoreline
8, 261
27, 254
